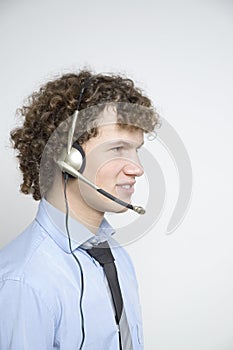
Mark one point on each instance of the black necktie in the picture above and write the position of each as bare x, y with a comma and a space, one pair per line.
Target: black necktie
102, 253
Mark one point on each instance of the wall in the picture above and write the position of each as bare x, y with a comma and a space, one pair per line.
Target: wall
180, 53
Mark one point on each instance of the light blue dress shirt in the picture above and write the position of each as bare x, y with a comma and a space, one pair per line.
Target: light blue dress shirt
40, 289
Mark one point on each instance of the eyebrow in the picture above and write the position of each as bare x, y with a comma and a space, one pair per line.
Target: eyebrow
124, 143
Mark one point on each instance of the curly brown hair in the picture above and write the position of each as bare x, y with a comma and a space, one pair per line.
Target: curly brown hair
56, 101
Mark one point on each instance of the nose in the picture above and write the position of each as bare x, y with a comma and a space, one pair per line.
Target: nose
133, 168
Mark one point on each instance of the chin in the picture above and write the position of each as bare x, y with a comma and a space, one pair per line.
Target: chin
116, 208
121, 210
108, 205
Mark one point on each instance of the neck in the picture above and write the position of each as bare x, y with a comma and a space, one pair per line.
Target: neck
83, 213
78, 209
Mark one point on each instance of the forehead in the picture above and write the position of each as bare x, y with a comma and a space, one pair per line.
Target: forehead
109, 130
107, 134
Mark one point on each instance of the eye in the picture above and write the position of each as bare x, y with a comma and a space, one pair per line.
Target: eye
117, 149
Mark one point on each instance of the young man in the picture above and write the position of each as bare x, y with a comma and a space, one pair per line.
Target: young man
55, 291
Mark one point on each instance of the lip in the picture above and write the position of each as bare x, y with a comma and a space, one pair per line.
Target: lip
123, 190
130, 183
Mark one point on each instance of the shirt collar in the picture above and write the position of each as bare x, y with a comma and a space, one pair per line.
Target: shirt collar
53, 222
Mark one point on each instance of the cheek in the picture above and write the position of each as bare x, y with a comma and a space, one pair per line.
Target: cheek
107, 174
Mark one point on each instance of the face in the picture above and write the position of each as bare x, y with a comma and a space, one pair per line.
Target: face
112, 163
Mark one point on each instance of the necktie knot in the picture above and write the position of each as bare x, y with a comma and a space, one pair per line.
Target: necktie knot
102, 253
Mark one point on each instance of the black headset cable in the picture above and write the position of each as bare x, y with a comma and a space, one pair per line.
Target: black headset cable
66, 177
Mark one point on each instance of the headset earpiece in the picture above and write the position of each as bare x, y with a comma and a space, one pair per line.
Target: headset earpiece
74, 161
78, 148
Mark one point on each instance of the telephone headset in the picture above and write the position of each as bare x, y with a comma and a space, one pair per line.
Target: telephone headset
72, 163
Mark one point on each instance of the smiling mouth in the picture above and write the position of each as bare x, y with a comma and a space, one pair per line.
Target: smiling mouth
126, 188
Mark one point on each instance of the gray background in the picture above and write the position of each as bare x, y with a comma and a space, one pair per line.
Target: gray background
180, 53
